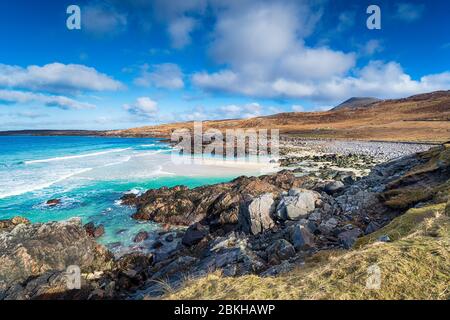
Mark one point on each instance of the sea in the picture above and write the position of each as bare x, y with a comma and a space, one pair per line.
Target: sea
89, 175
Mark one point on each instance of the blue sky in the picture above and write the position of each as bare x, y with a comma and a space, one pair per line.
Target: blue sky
138, 62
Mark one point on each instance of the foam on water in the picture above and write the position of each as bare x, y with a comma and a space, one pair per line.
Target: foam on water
89, 175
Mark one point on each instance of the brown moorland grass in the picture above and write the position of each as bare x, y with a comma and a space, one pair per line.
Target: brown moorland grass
422, 118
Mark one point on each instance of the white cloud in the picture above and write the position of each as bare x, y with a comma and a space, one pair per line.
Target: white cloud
249, 110
298, 108
103, 20
143, 107
56, 77
262, 53
409, 12
62, 102
167, 75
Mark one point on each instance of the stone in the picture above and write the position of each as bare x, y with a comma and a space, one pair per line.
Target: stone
301, 237
194, 234
315, 216
141, 236
348, 238
280, 250
384, 238
11, 223
297, 205
180, 265
34, 257
372, 227
256, 218
53, 202
328, 226
334, 187
94, 231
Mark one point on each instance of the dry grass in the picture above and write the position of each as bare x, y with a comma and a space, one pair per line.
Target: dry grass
390, 120
414, 266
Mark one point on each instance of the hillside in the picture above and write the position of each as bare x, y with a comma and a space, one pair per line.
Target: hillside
356, 102
413, 263
421, 118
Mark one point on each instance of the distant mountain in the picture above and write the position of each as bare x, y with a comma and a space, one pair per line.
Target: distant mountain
356, 102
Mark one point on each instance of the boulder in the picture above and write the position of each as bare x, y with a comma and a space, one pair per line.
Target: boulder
334, 187
141, 236
11, 223
256, 217
53, 202
194, 234
301, 237
94, 231
372, 227
280, 250
30, 251
297, 204
328, 226
348, 238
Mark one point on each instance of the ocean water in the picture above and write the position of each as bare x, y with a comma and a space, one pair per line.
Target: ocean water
89, 175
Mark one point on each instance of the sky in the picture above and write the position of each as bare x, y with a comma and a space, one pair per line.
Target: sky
139, 62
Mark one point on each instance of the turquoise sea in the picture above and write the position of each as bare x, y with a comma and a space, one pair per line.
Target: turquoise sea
89, 175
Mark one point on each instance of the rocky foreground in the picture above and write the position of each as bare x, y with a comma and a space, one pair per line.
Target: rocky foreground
263, 226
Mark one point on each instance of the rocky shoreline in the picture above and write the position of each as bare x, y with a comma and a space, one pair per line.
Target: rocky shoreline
265, 225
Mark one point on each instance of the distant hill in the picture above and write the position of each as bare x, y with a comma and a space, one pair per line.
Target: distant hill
420, 118
356, 102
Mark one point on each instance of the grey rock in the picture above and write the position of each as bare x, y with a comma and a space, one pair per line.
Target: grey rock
194, 234
384, 238
280, 250
348, 238
334, 187
300, 237
297, 205
256, 218
328, 226
180, 265
372, 227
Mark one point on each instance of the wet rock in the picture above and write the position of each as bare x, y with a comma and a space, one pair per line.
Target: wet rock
256, 218
301, 237
334, 187
141, 236
297, 205
94, 231
280, 250
194, 234
53, 202
348, 238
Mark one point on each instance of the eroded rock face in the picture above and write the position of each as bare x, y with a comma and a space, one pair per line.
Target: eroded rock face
257, 217
217, 205
29, 251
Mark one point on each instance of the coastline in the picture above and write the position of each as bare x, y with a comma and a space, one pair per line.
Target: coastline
233, 222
